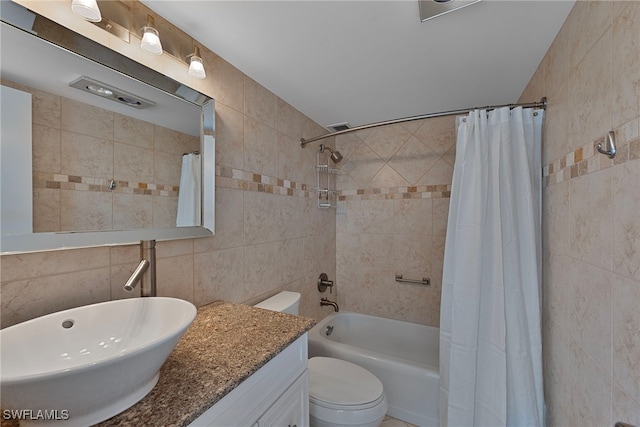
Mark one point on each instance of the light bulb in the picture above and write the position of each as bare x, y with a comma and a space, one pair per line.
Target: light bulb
196, 68
151, 38
151, 41
88, 9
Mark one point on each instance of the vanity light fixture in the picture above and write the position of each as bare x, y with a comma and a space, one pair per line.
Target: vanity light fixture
150, 38
196, 66
121, 20
88, 9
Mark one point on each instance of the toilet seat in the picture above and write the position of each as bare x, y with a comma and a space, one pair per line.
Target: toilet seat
338, 383
342, 393
345, 407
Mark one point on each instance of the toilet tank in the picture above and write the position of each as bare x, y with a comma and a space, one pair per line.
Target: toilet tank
285, 302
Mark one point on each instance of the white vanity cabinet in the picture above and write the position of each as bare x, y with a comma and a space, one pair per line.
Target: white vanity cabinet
275, 395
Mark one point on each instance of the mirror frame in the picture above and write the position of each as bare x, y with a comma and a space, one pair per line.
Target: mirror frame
77, 44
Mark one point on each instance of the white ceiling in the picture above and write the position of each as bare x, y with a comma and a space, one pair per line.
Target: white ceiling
366, 61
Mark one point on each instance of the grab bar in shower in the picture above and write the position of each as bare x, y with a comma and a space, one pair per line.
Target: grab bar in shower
425, 280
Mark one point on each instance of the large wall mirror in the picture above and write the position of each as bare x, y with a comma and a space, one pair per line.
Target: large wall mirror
97, 149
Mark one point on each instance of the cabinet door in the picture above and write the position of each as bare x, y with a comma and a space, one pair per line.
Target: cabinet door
255, 396
291, 409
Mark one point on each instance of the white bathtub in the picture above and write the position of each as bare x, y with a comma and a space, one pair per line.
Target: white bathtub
403, 355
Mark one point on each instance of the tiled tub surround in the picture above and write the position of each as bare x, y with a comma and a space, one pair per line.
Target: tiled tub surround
266, 240
395, 184
224, 345
78, 149
591, 216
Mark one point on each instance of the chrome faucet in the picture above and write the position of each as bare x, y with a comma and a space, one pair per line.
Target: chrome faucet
325, 301
136, 276
148, 262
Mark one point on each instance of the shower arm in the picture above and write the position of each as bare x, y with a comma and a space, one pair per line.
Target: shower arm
335, 155
541, 104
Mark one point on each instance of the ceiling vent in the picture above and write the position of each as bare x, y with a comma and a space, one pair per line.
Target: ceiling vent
106, 91
337, 127
430, 9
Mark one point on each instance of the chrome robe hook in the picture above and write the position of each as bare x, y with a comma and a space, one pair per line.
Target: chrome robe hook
610, 141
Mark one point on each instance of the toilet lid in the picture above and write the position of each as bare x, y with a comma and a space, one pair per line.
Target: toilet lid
339, 382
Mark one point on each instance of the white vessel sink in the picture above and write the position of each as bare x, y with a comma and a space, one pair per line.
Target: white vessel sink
90, 362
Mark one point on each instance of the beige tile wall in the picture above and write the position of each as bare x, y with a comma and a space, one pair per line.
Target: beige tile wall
591, 216
78, 149
394, 183
270, 235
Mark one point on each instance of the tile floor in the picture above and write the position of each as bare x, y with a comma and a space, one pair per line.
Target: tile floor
393, 422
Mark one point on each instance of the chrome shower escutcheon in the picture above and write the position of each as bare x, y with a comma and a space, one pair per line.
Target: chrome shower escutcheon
324, 282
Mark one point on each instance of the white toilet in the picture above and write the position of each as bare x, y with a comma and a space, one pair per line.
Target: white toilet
340, 393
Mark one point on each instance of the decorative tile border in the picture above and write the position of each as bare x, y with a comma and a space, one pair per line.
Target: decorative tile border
82, 183
248, 181
586, 159
414, 192
225, 178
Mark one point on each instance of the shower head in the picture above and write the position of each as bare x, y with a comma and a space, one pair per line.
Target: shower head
335, 154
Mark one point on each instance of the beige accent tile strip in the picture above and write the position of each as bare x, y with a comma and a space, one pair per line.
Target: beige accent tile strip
586, 159
417, 192
249, 181
225, 177
80, 183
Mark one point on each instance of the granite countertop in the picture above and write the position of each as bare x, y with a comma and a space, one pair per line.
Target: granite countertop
224, 345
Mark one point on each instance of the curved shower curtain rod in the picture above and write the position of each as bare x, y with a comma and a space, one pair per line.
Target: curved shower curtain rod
542, 104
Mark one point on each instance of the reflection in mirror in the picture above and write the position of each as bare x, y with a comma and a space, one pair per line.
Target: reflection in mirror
108, 152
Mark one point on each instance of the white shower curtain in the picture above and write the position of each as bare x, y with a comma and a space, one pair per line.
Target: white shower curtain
189, 200
490, 342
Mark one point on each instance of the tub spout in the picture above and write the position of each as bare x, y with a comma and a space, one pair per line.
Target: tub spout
325, 301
